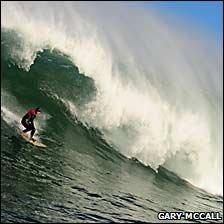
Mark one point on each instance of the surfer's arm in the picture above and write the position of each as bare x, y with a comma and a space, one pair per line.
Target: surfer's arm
26, 116
31, 118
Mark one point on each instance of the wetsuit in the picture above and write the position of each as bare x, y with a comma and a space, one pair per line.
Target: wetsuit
27, 121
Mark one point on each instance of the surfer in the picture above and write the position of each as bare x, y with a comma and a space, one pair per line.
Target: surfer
27, 121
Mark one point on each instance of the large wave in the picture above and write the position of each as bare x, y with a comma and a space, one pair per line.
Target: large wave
159, 86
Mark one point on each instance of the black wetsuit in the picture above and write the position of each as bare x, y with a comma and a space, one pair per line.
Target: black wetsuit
27, 121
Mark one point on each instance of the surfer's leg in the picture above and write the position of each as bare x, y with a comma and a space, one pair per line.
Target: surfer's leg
32, 133
26, 130
33, 129
27, 126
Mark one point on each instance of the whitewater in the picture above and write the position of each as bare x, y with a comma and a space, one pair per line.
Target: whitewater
138, 87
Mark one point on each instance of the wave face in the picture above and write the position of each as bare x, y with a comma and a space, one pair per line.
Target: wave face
110, 91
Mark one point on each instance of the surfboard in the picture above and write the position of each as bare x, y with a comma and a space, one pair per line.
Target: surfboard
27, 138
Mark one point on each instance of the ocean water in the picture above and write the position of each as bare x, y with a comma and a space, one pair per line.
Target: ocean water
132, 115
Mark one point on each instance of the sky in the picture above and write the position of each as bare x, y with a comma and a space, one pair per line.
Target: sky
206, 15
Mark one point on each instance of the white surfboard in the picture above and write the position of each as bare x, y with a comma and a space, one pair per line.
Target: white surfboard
27, 138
